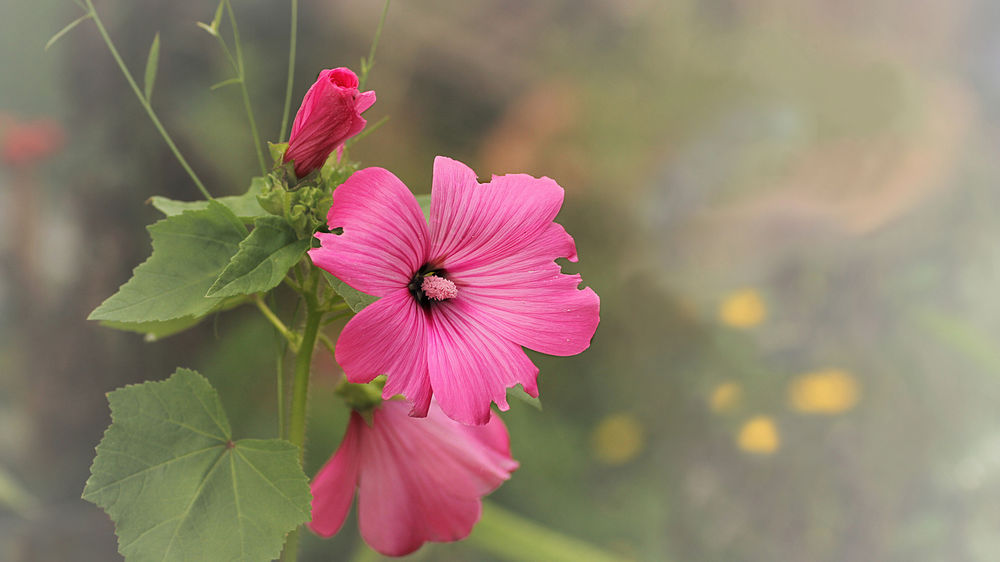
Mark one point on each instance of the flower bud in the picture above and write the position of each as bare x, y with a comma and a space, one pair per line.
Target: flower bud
329, 115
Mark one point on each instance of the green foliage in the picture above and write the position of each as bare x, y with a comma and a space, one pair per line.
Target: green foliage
190, 250
244, 206
152, 62
353, 297
155, 331
178, 488
262, 261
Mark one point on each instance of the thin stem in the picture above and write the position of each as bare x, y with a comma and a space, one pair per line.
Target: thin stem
300, 390
144, 101
291, 72
370, 61
290, 336
241, 70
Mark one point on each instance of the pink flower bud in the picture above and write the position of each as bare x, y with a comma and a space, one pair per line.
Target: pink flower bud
329, 115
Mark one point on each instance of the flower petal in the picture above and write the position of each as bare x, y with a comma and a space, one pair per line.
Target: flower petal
389, 337
469, 366
364, 101
473, 224
334, 485
526, 299
421, 480
385, 238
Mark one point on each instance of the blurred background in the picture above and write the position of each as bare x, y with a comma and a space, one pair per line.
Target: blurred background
788, 207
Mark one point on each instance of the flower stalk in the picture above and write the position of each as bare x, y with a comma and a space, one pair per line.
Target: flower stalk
144, 101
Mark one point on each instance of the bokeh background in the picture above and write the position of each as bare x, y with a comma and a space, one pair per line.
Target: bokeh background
788, 207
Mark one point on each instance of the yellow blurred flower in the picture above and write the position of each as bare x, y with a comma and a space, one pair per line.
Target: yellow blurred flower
830, 391
743, 309
725, 397
759, 435
618, 438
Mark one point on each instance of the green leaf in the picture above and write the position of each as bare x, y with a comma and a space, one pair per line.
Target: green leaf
518, 393
425, 205
67, 29
353, 297
262, 261
189, 252
244, 206
155, 331
152, 62
178, 488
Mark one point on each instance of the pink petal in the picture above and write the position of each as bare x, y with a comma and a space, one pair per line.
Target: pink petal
364, 101
470, 366
385, 238
473, 224
421, 480
334, 485
526, 298
389, 337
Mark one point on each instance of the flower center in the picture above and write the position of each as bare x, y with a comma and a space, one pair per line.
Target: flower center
430, 285
438, 288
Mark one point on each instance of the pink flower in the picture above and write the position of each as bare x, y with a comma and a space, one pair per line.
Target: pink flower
458, 299
329, 115
418, 479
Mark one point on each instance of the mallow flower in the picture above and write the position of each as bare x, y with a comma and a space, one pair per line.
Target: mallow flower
417, 479
460, 297
329, 115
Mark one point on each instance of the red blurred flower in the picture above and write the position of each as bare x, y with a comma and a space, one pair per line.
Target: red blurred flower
24, 143
329, 115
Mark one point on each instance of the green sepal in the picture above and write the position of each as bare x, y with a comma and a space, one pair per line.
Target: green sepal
262, 261
517, 392
362, 397
177, 486
332, 174
277, 150
190, 250
245, 206
353, 297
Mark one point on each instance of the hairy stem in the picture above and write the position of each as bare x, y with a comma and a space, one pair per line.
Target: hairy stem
144, 101
300, 390
291, 72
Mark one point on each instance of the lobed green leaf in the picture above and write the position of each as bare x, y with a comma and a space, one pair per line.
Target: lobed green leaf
178, 488
190, 250
243, 206
262, 261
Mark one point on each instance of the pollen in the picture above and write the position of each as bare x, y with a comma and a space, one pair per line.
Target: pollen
438, 288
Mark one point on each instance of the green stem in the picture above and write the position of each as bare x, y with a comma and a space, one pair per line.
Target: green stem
276, 322
291, 72
300, 391
370, 61
241, 70
144, 101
